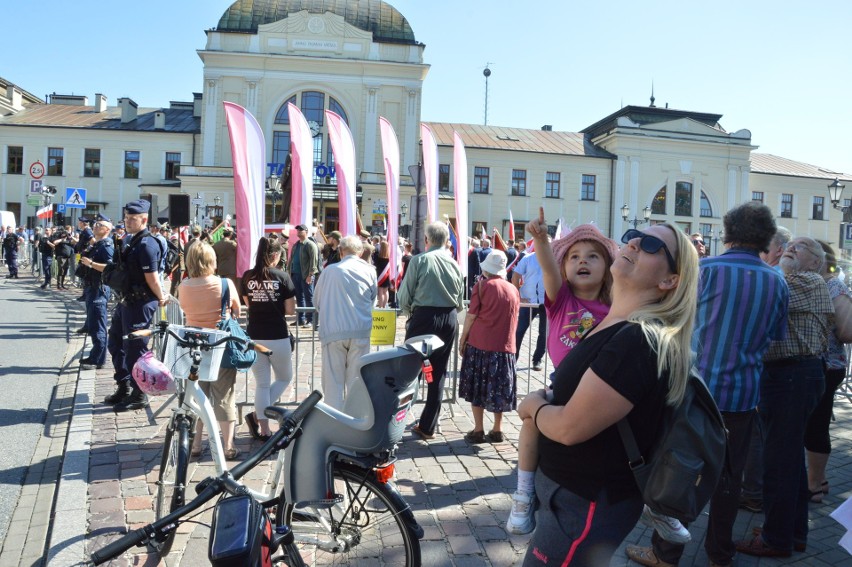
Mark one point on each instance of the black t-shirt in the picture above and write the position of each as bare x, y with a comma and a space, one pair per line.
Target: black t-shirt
266, 304
44, 248
626, 362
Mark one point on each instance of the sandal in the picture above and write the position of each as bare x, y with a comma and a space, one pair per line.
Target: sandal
494, 437
232, 453
253, 425
475, 437
423, 435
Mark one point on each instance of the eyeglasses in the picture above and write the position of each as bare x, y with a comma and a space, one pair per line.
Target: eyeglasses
800, 246
650, 244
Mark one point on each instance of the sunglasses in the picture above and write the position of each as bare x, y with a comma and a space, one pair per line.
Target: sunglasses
650, 244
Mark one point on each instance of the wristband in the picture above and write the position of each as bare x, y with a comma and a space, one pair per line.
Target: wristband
535, 417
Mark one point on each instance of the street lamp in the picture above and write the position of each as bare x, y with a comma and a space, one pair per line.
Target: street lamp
273, 189
625, 214
835, 190
197, 205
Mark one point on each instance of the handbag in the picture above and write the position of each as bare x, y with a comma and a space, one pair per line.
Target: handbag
843, 318
235, 355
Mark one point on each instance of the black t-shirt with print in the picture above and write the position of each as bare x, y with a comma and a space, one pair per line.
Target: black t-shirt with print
266, 304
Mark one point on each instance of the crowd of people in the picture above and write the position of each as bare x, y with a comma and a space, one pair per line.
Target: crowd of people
622, 326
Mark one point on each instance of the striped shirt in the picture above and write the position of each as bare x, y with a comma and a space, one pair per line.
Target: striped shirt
742, 306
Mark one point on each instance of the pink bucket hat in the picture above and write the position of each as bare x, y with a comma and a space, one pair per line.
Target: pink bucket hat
583, 232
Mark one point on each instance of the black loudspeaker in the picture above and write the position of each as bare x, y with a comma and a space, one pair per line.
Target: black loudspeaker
152, 215
178, 210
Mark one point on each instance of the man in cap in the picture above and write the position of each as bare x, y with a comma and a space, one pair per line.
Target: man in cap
334, 238
140, 255
96, 258
304, 267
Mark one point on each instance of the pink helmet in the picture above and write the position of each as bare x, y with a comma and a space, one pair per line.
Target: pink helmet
152, 376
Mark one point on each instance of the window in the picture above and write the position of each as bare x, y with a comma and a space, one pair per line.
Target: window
480, 179
757, 196
683, 199
658, 205
444, 178
131, 164
280, 147
172, 165
552, 182
15, 160
519, 182
587, 189
847, 203
787, 205
819, 208
55, 159
706, 207
92, 162
479, 230
705, 229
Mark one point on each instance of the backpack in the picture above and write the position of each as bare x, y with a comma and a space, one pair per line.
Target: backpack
686, 464
116, 275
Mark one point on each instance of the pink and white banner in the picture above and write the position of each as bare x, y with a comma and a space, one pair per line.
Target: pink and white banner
511, 226
390, 151
302, 156
248, 154
430, 171
344, 163
460, 188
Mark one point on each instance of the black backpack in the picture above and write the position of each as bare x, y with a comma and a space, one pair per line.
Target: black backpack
685, 466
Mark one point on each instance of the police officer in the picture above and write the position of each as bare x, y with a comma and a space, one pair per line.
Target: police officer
45, 249
84, 239
10, 249
97, 257
140, 255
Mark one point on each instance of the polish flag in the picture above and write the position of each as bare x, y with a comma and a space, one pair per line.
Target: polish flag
511, 227
390, 151
430, 171
460, 188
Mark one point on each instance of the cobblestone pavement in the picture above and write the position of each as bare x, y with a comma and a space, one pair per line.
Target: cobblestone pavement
460, 493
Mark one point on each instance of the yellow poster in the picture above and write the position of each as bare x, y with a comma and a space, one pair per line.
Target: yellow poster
384, 327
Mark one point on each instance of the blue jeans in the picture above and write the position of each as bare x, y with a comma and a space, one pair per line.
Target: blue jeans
46, 263
96, 321
304, 297
789, 391
525, 316
126, 318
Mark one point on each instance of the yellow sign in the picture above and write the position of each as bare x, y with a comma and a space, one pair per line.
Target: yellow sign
384, 327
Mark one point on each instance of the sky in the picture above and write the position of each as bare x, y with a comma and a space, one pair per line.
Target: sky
781, 70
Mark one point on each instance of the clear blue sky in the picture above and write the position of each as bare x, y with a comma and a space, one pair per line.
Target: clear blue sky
781, 70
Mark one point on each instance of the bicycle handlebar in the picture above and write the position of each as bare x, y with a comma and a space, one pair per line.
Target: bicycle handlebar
249, 344
212, 486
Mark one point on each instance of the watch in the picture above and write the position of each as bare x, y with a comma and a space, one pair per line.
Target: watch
315, 128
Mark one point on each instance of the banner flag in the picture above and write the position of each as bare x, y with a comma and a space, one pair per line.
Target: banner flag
460, 188
511, 226
343, 148
453, 238
45, 212
499, 243
302, 157
248, 154
390, 151
430, 171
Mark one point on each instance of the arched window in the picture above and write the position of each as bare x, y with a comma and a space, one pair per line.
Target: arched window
683, 199
658, 204
706, 207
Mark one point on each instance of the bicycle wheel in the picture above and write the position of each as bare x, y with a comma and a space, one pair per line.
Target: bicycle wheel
366, 528
171, 481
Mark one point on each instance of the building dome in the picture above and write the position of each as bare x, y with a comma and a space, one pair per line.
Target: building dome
385, 22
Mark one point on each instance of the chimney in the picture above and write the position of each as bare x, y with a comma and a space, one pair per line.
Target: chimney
128, 110
196, 107
159, 120
100, 102
15, 97
547, 128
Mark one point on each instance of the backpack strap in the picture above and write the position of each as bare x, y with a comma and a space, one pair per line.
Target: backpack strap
634, 456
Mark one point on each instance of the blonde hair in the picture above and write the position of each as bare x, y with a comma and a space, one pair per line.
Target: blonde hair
201, 260
668, 323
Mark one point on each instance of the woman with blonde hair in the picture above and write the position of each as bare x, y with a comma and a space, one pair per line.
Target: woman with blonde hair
201, 301
633, 363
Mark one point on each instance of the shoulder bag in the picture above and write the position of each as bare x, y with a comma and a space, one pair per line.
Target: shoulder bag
843, 318
235, 356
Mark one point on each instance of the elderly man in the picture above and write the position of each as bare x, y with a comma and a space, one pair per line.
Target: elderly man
742, 307
790, 387
97, 258
140, 254
344, 299
431, 293
304, 267
772, 256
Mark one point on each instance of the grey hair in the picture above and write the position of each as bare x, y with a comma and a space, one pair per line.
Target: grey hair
782, 236
437, 233
351, 245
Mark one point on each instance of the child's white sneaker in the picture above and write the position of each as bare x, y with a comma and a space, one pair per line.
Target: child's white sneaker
670, 529
521, 519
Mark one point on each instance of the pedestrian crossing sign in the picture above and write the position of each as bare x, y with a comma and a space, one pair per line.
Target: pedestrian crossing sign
75, 198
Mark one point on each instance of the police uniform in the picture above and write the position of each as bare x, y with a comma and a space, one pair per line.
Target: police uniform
97, 297
10, 246
134, 312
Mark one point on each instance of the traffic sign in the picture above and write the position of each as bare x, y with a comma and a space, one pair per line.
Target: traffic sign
75, 197
37, 170
36, 185
34, 200
197, 202
60, 208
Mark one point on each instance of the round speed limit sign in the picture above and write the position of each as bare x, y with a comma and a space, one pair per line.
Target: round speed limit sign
37, 170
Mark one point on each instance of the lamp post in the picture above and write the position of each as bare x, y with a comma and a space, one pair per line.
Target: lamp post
835, 191
625, 214
273, 189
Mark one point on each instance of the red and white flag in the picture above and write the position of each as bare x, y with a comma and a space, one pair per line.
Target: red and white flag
430, 171
390, 151
343, 148
302, 157
460, 188
45, 212
248, 154
511, 226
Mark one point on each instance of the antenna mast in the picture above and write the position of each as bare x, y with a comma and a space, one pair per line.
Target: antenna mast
487, 73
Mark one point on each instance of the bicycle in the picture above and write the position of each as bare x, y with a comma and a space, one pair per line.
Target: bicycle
351, 512
258, 531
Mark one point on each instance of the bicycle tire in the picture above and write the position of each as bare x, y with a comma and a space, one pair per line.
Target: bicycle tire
372, 531
171, 480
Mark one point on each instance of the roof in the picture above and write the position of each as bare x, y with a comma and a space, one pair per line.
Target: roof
384, 21
27, 96
71, 116
517, 139
643, 115
775, 165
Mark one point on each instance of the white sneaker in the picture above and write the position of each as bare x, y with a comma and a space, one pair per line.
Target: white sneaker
521, 520
670, 529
